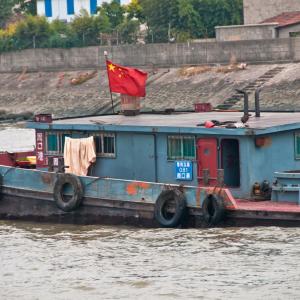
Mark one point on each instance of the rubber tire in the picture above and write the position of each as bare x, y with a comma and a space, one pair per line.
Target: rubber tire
76, 199
180, 208
217, 203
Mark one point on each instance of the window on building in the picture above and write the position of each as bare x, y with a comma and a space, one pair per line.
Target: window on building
181, 147
48, 8
297, 145
93, 6
105, 144
70, 7
294, 34
55, 142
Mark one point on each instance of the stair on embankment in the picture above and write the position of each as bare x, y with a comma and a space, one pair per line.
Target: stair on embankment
235, 99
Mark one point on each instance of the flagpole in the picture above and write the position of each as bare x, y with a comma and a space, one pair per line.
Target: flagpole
111, 97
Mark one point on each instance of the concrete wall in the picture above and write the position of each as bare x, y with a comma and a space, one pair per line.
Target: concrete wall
246, 32
160, 55
296, 49
256, 11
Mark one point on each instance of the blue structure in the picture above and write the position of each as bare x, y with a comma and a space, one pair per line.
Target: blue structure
48, 8
70, 7
66, 9
147, 147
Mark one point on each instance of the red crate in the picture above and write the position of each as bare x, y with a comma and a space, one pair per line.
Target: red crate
203, 107
43, 118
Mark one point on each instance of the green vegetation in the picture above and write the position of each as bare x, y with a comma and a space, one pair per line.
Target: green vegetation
10, 7
166, 21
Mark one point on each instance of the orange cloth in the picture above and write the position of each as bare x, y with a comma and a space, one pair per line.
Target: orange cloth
79, 154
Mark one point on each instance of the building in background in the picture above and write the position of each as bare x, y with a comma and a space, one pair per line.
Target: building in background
267, 19
67, 9
287, 24
256, 11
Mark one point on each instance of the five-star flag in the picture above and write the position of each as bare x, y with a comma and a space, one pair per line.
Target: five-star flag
128, 81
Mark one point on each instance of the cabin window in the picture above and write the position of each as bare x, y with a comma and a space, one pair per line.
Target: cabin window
181, 147
105, 144
55, 142
297, 145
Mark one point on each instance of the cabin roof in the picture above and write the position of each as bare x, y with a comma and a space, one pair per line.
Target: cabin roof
179, 123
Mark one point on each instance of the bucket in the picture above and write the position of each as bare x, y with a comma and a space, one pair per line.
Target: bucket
130, 105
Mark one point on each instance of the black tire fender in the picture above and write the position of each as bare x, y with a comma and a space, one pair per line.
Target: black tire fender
164, 199
213, 209
76, 199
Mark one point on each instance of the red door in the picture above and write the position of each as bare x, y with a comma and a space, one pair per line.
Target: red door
207, 158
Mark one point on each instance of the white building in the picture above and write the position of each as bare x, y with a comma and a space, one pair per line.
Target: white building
67, 9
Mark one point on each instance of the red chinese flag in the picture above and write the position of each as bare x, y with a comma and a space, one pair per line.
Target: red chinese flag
125, 80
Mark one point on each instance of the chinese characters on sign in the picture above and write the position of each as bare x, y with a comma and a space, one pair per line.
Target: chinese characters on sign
184, 170
40, 159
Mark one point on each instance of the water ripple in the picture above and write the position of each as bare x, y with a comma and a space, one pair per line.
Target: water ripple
42, 261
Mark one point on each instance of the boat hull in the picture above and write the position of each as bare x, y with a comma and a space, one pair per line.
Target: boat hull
29, 195
20, 204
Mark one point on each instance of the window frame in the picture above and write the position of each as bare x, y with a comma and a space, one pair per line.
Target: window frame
102, 135
296, 150
59, 138
182, 156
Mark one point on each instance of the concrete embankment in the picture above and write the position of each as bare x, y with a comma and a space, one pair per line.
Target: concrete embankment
52, 92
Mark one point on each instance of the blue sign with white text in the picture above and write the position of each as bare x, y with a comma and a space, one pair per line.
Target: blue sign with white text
184, 170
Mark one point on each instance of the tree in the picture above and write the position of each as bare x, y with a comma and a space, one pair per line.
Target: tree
161, 17
218, 13
114, 11
135, 11
128, 31
188, 24
5, 11
102, 22
184, 19
9, 7
32, 32
25, 7
87, 28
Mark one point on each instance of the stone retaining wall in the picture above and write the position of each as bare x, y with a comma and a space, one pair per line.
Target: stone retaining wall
156, 55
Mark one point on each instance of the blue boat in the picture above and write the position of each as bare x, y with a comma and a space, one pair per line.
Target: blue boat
164, 170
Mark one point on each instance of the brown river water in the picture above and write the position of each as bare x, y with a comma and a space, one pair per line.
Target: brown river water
46, 261
52, 261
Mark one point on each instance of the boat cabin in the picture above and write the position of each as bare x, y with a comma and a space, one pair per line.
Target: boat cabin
178, 148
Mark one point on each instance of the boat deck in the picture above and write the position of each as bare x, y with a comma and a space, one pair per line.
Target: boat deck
268, 206
267, 119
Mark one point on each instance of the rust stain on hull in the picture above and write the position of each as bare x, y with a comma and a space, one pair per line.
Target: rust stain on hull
46, 178
133, 187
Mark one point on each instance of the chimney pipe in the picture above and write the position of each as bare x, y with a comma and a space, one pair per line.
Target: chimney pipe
257, 105
246, 102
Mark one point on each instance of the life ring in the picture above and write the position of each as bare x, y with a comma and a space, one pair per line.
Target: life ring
213, 210
167, 201
67, 204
